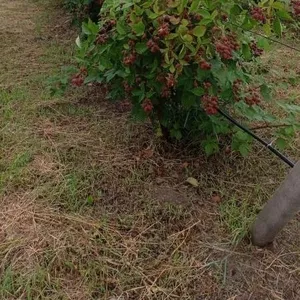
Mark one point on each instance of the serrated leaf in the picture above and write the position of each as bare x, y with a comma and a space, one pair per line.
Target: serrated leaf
141, 47
193, 181
198, 91
121, 29
139, 28
244, 149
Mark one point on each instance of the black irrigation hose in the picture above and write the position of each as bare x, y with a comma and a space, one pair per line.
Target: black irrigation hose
267, 145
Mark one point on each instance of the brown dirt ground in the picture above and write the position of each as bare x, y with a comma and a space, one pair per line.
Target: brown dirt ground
93, 208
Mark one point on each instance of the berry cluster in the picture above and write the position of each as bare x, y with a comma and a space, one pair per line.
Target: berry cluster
170, 81
147, 106
210, 104
103, 33
78, 79
163, 30
153, 46
253, 98
129, 59
127, 88
207, 85
226, 45
296, 7
255, 50
258, 14
204, 65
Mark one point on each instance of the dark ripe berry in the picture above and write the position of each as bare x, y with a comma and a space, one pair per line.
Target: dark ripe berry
170, 81
153, 46
210, 104
101, 39
138, 80
226, 45
197, 17
258, 14
102, 30
224, 17
187, 58
127, 88
77, 80
147, 106
163, 30
167, 18
204, 65
161, 78
207, 85
129, 59
255, 50
296, 7
131, 43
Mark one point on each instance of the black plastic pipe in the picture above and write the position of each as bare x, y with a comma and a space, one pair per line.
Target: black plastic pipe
267, 145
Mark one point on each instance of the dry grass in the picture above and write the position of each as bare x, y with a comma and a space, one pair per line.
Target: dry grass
92, 207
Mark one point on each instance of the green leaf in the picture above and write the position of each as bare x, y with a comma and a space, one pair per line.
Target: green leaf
277, 26
211, 147
121, 29
284, 15
267, 29
266, 91
236, 10
139, 28
204, 13
176, 134
247, 51
244, 149
194, 6
281, 143
264, 44
199, 31
199, 91
141, 47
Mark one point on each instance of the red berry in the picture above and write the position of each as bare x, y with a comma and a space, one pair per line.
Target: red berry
255, 50
258, 14
210, 104
226, 45
296, 7
147, 106
77, 80
153, 46
207, 85
163, 30
102, 39
129, 59
204, 65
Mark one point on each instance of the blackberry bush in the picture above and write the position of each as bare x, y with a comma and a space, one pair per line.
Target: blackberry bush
178, 61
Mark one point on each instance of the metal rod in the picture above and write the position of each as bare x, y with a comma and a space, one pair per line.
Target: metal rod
267, 145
